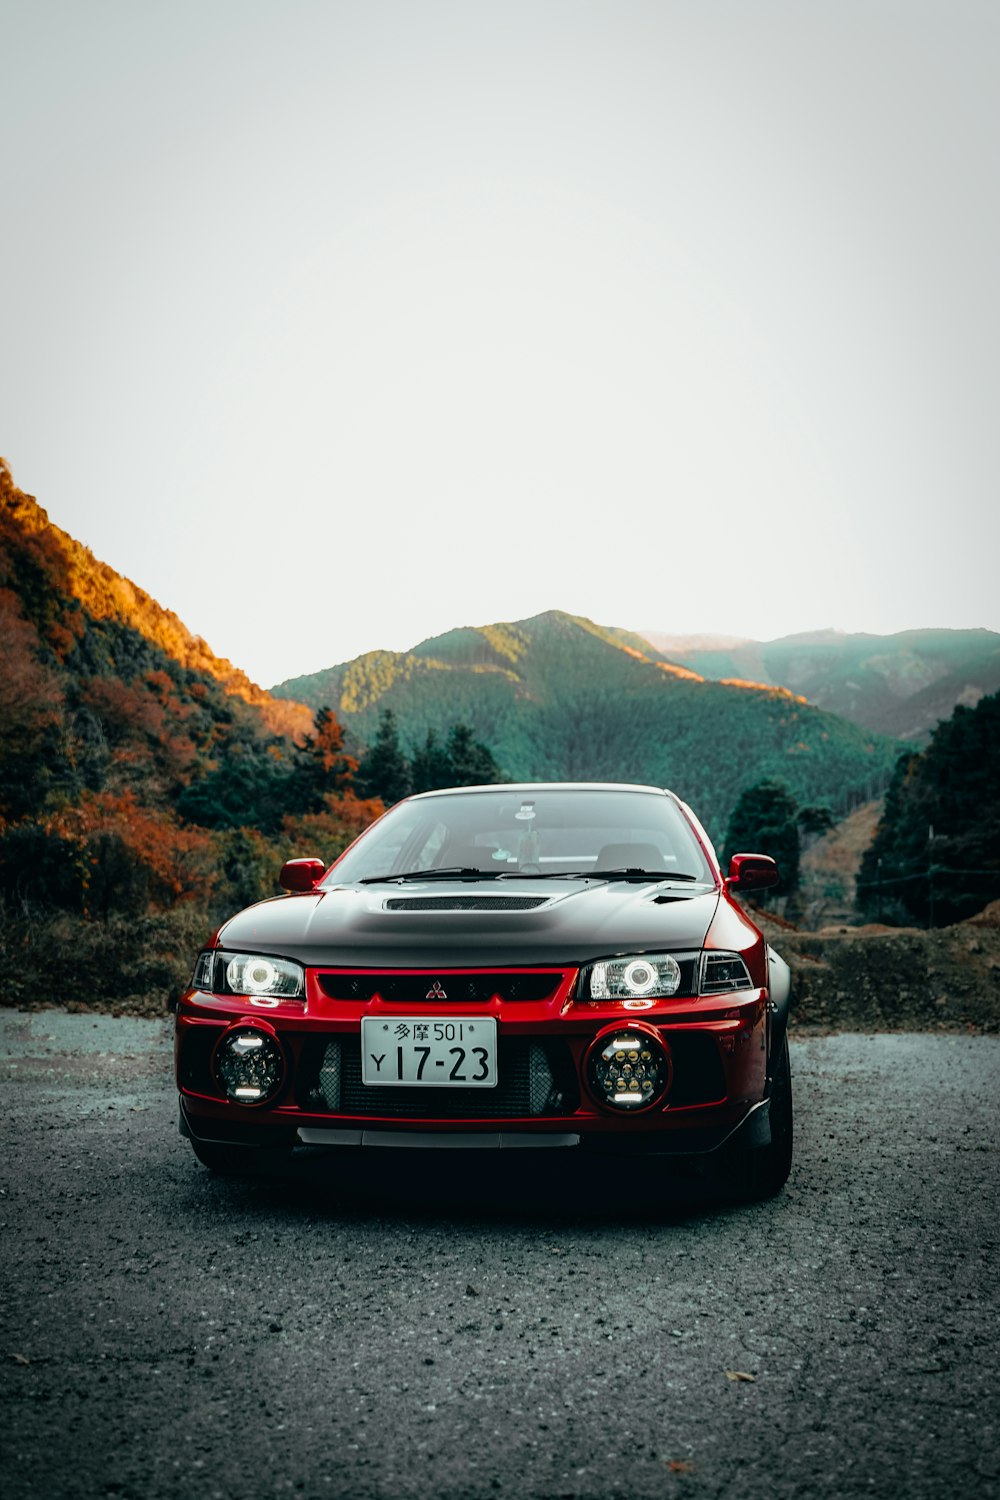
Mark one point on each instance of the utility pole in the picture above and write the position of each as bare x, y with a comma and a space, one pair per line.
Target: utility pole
930, 875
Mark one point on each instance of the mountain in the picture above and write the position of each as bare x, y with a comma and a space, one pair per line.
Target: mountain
901, 685
38, 557
104, 692
557, 696
147, 787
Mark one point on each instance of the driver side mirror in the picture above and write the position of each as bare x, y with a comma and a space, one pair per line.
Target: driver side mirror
752, 872
301, 874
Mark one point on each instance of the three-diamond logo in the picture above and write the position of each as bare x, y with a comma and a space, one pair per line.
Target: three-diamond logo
436, 991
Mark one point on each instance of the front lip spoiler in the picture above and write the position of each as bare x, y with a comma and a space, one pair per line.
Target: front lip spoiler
423, 1140
752, 1131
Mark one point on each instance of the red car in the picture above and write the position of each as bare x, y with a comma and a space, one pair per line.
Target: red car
557, 965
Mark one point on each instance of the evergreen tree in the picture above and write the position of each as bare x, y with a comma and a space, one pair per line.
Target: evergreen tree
815, 820
322, 768
937, 847
765, 821
470, 762
430, 766
461, 761
250, 788
384, 770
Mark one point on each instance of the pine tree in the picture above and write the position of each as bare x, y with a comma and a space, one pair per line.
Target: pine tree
430, 766
471, 762
765, 821
322, 768
461, 761
937, 848
384, 770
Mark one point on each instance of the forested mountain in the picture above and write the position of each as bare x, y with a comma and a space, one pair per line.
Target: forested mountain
899, 685
557, 696
141, 777
60, 586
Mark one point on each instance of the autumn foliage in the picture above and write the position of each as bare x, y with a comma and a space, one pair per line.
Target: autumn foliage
140, 775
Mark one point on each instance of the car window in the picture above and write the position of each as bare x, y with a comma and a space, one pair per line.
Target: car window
556, 831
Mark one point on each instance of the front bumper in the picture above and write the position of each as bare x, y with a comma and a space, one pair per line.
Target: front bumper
718, 1095
753, 1130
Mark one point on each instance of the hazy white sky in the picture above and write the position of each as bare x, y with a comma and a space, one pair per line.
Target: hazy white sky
335, 325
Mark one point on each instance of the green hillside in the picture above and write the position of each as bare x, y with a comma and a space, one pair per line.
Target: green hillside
558, 697
900, 685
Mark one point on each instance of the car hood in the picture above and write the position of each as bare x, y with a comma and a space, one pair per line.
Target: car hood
574, 922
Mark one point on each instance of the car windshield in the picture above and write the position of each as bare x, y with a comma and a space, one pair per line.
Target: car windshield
532, 833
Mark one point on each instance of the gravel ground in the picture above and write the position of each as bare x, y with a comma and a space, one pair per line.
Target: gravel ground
459, 1333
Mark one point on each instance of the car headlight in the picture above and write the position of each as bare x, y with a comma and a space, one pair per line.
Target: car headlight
254, 974
203, 977
649, 976
721, 972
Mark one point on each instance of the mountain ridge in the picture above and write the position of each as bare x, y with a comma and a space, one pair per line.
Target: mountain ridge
900, 684
109, 595
558, 696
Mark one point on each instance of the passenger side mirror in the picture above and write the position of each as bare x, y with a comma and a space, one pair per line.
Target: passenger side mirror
752, 872
301, 874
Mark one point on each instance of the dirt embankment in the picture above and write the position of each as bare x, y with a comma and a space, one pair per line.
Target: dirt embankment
878, 978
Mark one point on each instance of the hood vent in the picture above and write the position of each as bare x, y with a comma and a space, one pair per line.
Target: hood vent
464, 903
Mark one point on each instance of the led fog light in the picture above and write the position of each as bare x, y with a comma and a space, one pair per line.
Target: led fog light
629, 1068
249, 1065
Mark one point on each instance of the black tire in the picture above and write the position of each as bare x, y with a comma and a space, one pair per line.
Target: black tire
240, 1161
766, 1168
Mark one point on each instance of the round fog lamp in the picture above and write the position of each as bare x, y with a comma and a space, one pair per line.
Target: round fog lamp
629, 1069
249, 1065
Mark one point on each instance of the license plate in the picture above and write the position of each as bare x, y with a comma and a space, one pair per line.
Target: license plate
460, 1052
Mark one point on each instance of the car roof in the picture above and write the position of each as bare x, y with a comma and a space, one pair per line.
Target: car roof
506, 787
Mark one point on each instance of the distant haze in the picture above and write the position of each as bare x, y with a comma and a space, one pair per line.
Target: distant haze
336, 326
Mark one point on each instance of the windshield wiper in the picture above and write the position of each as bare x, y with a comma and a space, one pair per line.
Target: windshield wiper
629, 874
442, 872
466, 872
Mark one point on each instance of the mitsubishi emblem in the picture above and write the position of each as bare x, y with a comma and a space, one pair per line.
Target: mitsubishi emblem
436, 991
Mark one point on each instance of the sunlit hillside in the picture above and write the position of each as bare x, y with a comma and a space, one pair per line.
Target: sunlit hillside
147, 788
557, 696
39, 556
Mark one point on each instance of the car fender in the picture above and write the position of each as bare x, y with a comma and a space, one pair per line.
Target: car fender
779, 989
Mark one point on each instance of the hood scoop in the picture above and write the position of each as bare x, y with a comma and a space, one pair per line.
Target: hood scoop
464, 903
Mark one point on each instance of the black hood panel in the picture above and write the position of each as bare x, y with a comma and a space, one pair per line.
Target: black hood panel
350, 926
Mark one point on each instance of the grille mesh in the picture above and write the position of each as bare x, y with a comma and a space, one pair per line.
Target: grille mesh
534, 1079
412, 989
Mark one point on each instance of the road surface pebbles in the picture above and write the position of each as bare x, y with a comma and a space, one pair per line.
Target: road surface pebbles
474, 1329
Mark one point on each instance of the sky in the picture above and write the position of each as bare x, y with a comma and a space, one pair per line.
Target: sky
337, 325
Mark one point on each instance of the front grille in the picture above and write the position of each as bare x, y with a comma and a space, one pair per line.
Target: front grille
535, 1078
464, 903
438, 985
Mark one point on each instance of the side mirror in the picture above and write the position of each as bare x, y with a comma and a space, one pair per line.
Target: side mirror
753, 872
301, 874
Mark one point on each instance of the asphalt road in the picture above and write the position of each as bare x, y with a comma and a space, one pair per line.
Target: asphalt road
451, 1333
